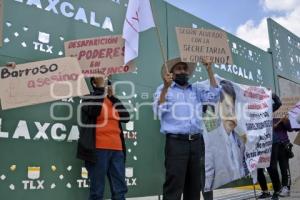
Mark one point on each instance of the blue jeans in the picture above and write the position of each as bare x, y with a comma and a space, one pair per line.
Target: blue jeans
110, 163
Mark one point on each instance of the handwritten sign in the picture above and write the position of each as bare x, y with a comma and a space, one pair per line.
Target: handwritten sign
100, 55
197, 44
287, 104
40, 82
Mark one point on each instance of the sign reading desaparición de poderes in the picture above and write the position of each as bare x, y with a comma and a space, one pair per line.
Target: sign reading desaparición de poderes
40, 82
197, 44
100, 55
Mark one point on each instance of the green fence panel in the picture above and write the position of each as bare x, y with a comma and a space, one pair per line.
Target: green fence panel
285, 48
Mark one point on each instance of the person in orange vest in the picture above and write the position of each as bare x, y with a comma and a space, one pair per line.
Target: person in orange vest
101, 144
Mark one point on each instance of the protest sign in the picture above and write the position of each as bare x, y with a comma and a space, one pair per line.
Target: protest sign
294, 116
287, 104
99, 56
40, 82
197, 44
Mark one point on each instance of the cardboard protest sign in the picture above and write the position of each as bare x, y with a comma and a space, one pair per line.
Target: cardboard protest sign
297, 139
238, 131
100, 55
1, 22
197, 44
40, 82
294, 116
287, 104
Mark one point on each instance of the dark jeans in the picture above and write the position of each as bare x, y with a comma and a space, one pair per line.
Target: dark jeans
262, 179
284, 166
183, 160
272, 170
208, 195
110, 163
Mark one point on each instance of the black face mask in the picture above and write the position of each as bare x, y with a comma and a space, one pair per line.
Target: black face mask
181, 79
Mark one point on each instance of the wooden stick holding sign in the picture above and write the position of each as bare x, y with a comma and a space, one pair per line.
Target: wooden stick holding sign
162, 48
40, 82
196, 45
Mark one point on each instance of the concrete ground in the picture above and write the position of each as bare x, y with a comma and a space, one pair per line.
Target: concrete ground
248, 193
243, 193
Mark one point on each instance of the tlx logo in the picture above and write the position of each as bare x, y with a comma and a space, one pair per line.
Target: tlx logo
42, 45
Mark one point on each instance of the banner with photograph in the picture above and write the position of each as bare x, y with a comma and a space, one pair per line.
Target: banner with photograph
237, 132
